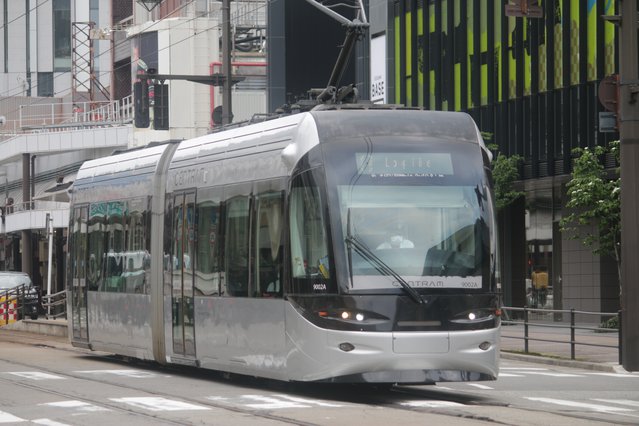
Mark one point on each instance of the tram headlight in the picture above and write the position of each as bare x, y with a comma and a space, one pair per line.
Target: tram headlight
346, 347
351, 316
474, 316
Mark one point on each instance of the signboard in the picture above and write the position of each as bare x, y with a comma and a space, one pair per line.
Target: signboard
607, 121
389, 164
378, 70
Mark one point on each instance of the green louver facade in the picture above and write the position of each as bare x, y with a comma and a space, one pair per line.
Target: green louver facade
532, 83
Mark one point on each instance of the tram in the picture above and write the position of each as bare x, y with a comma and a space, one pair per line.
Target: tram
344, 245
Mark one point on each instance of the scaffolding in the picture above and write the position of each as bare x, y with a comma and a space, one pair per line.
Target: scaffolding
85, 84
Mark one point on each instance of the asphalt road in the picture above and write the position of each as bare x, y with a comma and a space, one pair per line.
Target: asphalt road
43, 380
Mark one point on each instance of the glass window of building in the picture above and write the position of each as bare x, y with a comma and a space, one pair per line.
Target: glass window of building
61, 35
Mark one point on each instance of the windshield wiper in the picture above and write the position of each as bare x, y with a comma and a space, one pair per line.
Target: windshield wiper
380, 266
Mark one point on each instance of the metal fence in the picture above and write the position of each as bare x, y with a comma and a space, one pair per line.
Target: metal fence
55, 305
567, 327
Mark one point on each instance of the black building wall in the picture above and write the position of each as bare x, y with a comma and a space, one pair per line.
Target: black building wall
303, 47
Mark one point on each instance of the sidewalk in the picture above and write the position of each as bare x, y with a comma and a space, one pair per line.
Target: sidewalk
551, 345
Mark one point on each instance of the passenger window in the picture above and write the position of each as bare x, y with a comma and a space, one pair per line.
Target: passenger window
236, 251
96, 247
208, 272
137, 259
114, 258
268, 245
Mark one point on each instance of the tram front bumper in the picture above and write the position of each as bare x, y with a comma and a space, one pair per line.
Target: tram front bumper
408, 357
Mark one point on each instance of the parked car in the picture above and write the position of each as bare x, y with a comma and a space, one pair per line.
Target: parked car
12, 280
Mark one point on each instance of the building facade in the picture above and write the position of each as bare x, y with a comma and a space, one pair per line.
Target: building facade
531, 84
67, 75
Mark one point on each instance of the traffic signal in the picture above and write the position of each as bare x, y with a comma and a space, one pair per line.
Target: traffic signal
161, 107
141, 104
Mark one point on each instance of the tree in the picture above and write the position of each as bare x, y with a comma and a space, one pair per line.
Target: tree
594, 199
505, 173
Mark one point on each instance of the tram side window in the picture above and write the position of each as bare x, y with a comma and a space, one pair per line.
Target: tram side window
167, 263
236, 250
207, 260
78, 246
96, 245
115, 246
310, 255
268, 244
136, 257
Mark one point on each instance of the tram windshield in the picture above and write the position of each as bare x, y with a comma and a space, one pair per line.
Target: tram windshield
417, 216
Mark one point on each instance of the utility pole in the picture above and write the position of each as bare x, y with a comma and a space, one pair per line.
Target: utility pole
629, 133
227, 111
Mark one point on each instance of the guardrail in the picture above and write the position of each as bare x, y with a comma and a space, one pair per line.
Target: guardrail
55, 305
529, 317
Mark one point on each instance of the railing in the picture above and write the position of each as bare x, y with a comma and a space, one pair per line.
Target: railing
55, 305
74, 115
554, 319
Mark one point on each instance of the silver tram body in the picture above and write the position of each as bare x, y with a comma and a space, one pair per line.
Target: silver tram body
258, 250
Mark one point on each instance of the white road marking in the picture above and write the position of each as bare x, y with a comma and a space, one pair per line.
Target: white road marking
76, 405
624, 376
134, 374
524, 368
9, 418
274, 402
627, 402
510, 375
308, 401
576, 404
270, 403
431, 404
550, 374
158, 404
35, 375
480, 386
47, 422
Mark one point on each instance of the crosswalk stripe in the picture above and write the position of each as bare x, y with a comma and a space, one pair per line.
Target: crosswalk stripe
270, 403
620, 375
550, 374
308, 401
431, 404
576, 404
524, 368
76, 405
47, 422
480, 386
35, 375
158, 404
619, 401
9, 418
134, 374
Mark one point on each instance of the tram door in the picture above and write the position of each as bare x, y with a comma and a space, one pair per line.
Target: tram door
77, 272
182, 281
